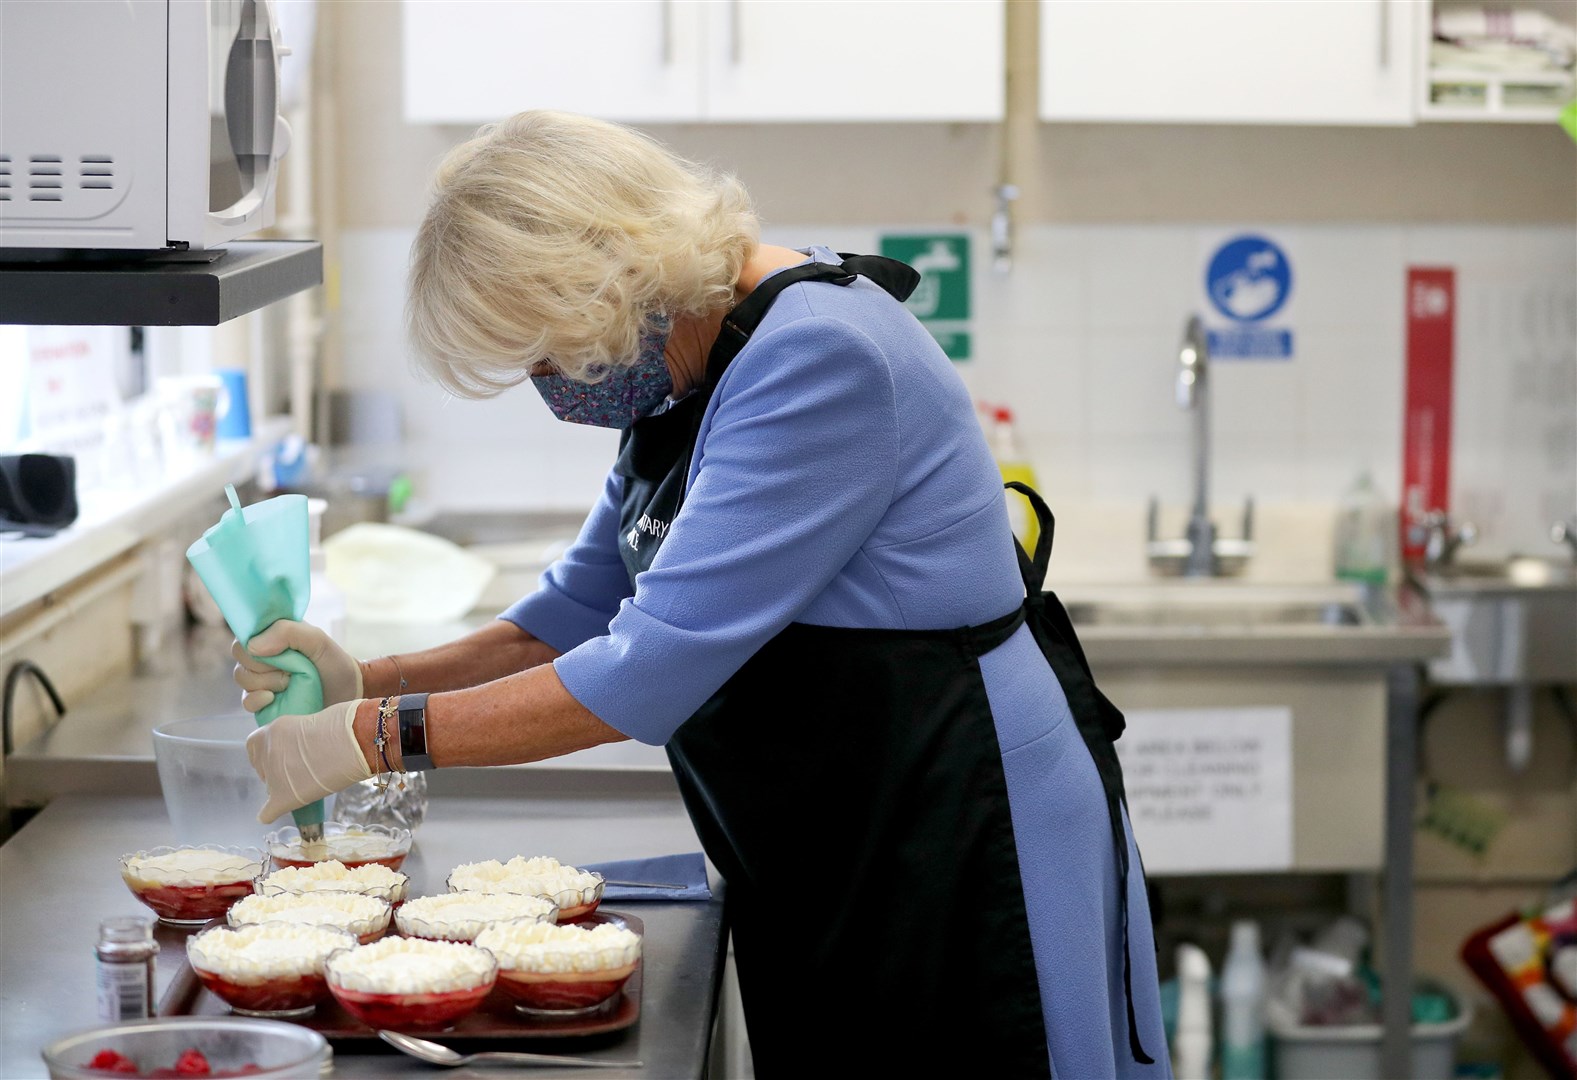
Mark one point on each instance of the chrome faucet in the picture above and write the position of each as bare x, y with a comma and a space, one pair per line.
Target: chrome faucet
1200, 553
1565, 532
1442, 538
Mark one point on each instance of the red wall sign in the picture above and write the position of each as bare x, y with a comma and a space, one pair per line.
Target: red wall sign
1426, 424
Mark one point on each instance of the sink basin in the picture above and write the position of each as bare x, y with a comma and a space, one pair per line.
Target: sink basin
1512, 622
1217, 616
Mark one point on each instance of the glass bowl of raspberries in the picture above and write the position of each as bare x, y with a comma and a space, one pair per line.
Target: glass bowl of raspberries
190, 1047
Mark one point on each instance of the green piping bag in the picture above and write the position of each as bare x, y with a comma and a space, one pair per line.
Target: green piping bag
256, 565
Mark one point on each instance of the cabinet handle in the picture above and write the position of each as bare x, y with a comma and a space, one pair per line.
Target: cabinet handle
735, 45
667, 32
1385, 35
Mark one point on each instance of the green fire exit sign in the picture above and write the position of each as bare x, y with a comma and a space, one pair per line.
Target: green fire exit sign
942, 299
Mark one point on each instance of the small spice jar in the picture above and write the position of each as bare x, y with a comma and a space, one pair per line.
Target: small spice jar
126, 952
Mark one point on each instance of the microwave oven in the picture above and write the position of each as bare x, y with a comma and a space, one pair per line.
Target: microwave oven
137, 125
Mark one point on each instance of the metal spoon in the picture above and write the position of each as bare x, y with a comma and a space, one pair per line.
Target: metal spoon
441, 1055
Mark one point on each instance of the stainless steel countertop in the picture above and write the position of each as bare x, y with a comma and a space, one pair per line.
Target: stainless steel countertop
58, 878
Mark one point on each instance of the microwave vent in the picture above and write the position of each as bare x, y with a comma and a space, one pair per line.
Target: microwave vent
96, 171
44, 178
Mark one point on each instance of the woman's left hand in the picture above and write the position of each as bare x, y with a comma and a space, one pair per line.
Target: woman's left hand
304, 758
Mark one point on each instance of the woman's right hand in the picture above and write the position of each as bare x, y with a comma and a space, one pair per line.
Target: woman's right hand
259, 682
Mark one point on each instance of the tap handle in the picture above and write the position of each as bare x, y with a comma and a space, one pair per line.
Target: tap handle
1152, 527
1248, 518
1565, 532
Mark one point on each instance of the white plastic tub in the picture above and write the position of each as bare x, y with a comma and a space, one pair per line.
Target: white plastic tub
1352, 1052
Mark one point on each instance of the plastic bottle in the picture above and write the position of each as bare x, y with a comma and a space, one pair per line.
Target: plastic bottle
1365, 527
326, 606
1014, 466
1192, 1047
1243, 1006
126, 952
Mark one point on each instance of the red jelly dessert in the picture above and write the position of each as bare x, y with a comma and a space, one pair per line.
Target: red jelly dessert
266, 969
410, 984
351, 845
547, 968
188, 885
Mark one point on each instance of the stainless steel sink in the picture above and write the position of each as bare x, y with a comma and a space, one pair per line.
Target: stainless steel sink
1217, 616
1511, 622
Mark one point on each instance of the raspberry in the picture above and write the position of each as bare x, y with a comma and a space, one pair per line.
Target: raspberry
193, 1063
110, 1061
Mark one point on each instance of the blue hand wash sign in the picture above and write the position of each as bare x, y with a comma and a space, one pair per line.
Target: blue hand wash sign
1247, 281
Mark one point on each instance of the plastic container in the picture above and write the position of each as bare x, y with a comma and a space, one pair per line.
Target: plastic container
210, 791
1352, 1051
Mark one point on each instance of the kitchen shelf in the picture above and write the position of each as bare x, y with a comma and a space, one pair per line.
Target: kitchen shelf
1494, 109
202, 288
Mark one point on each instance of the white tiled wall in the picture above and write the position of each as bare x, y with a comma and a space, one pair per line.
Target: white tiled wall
1081, 338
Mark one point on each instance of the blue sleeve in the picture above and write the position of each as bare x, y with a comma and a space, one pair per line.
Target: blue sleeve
796, 470
580, 593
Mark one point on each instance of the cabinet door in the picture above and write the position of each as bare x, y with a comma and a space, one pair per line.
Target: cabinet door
471, 61
1244, 61
854, 60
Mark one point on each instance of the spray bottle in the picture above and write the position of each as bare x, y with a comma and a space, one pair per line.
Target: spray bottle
1014, 466
1243, 1006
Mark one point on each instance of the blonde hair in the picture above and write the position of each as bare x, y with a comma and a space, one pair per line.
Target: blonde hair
559, 237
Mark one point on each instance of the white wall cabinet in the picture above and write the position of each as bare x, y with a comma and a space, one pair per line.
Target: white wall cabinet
654, 61
1243, 62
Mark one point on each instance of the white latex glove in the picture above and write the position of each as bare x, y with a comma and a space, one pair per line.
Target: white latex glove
340, 672
304, 758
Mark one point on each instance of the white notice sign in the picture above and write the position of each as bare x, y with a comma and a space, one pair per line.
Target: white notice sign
1210, 790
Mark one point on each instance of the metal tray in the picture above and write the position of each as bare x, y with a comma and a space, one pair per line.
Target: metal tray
492, 1025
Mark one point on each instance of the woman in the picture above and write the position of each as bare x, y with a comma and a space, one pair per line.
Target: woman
801, 580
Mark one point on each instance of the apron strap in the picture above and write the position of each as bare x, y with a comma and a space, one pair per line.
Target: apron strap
1100, 722
896, 278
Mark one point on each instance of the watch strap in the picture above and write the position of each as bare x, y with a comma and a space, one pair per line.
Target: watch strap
413, 733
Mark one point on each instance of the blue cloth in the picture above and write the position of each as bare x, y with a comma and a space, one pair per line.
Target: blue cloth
687, 870
841, 479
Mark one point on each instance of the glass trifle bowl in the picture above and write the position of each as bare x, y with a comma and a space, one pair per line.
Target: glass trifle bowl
351, 845
571, 970
191, 884
266, 969
576, 892
461, 916
408, 984
366, 917
372, 879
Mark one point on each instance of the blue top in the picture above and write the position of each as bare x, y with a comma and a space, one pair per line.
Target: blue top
840, 479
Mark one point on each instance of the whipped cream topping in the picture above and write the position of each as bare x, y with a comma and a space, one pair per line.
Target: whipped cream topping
544, 948
412, 966
467, 914
540, 876
352, 845
334, 876
252, 954
356, 912
189, 867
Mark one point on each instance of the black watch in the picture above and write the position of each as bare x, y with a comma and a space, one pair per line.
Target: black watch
413, 733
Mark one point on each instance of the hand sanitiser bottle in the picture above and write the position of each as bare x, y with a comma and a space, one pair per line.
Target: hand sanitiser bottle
1365, 528
1243, 1006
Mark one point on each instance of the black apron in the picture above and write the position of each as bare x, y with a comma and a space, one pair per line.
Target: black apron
848, 784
